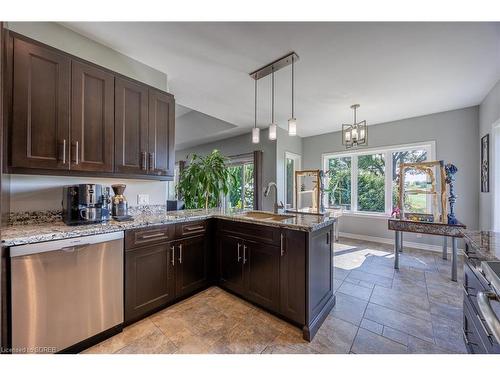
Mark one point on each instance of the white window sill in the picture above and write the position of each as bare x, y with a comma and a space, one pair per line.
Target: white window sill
375, 215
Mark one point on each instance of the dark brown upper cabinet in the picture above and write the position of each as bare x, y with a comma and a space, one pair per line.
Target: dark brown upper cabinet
161, 133
70, 117
40, 115
131, 127
92, 118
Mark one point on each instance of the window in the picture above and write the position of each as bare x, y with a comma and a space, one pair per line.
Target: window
241, 191
366, 180
292, 164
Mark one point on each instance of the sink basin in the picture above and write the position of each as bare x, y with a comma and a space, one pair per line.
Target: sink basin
262, 215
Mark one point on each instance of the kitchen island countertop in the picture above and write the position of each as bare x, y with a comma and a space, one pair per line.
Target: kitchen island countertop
41, 231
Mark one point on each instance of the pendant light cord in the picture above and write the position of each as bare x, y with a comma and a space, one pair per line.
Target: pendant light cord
293, 116
255, 112
272, 98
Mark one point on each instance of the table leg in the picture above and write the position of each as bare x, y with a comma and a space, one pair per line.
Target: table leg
445, 247
453, 259
397, 235
400, 242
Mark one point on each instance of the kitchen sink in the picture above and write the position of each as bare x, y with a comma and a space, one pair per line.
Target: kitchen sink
262, 215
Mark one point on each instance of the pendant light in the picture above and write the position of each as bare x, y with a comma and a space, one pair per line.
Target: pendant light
255, 130
292, 122
273, 129
355, 134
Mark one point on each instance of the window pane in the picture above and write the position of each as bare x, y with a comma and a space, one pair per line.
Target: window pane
417, 203
371, 183
248, 185
236, 188
339, 183
290, 171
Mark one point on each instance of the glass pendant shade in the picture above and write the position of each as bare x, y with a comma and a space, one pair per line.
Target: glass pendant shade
292, 127
255, 135
273, 129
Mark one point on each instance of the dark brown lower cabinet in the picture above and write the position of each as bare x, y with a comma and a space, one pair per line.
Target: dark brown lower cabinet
156, 275
230, 264
262, 276
149, 279
191, 272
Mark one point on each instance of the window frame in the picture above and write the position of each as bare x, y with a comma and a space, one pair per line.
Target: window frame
428, 146
242, 160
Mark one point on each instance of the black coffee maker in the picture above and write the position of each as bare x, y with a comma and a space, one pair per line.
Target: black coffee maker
86, 204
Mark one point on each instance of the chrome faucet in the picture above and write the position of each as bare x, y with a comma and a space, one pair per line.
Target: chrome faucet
268, 190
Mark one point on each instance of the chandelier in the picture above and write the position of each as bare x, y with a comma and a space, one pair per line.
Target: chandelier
356, 134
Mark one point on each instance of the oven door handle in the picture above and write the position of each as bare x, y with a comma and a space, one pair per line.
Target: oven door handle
490, 318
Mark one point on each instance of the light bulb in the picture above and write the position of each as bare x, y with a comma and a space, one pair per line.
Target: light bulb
354, 134
292, 127
255, 135
272, 132
348, 136
362, 134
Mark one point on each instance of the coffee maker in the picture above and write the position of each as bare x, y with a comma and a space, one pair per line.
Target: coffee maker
86, 204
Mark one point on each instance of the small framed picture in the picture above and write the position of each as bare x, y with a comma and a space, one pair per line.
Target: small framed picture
485, 164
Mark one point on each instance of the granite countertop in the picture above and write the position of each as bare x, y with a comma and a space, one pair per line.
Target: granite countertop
33, 230
485, 244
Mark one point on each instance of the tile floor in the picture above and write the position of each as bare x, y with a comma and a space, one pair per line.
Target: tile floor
417, 309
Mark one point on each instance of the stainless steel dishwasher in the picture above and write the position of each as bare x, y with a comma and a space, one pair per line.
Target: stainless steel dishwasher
65, 291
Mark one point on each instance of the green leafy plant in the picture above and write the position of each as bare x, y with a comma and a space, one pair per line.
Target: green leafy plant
204, 180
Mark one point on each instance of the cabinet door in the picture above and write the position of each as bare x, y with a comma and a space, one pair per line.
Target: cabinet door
191, 265
40, 117
230, 263
131, 127
161, 133
92, 119
262, 266
293, 276
149, 280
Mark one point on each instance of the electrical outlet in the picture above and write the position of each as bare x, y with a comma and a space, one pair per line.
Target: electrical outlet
142, 199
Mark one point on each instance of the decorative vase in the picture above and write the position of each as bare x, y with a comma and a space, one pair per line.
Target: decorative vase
451, 170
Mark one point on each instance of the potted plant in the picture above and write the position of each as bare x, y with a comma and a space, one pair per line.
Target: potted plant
204, 180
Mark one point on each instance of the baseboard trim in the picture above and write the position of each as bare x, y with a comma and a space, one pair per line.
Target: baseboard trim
415, 245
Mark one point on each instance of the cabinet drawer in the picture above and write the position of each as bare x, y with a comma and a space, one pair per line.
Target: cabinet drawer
253, 232
191, 228
473, 284
470, 332
149, 236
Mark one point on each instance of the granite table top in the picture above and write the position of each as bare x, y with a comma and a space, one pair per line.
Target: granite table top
437, 229
36, 230
485, 244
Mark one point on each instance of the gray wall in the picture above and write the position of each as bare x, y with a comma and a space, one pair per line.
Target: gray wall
489, 115
242, 144
455, 133
25, 191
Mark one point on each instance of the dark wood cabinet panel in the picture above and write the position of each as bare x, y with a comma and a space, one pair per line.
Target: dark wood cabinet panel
92, 118
41, 99
149, 280
131, 127
320, 262
161, 133
191, 272
292, 276
230, 269
262, 262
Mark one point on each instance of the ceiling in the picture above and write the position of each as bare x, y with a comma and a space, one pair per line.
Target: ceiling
394, 70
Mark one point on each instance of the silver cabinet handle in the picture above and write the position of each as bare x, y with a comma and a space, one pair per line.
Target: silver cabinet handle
282, 248
466, 339
144, 161
244, 254
180, 254
64, 152
466, 290
76, 159
327, 238
173, 255
146, 236
490, 318
239, 258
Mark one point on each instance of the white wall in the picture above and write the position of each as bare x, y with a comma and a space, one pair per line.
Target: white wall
455, 133
30, 193
489, 114
34, 193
